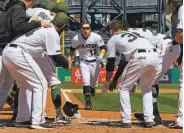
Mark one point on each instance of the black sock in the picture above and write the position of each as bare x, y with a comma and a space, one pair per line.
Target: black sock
87, 94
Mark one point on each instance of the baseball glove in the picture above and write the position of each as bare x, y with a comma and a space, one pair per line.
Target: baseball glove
112, 85
105, 87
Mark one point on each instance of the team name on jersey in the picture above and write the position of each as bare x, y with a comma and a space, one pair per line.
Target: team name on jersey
86, 46
44, 16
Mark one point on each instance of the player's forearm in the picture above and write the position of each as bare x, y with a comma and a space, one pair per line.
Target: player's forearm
179, 36
109, 68
108, 76
61, 61
71, 54
121, 67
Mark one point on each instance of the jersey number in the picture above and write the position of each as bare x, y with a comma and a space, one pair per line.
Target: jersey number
129, 35
93, 52
29, 33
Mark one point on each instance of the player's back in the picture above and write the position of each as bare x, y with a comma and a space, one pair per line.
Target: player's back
38, 40
40, 13
127, 43
149, 34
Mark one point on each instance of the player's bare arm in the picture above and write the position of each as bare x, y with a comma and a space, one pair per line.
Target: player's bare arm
179, 36
71, 54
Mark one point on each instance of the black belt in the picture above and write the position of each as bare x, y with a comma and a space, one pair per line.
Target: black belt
89, 60
13, 45
144, 50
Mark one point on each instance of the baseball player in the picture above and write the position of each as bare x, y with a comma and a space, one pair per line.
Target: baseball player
179, 40
27, 72
142, 64
45, 14
86, 43
167, 56
13, 23
46, 65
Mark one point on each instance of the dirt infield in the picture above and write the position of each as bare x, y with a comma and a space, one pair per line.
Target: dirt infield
91, 122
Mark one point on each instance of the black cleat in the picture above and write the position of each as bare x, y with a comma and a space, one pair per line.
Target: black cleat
45, 125
174, 125
158, 123
126, 125
139, 116
25, 124
2, 126
88, 106
48, 119
148, 124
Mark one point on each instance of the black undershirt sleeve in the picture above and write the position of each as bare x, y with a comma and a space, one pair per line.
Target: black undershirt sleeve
60, 60
110, 64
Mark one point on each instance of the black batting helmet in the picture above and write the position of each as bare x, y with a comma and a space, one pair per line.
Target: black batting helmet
70, 109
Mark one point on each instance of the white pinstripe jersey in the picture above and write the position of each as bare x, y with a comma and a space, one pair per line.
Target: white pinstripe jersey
87, 48
42, 14
153, 37
40, 40
126, 43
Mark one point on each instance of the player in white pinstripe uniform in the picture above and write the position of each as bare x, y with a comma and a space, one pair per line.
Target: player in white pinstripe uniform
86, 43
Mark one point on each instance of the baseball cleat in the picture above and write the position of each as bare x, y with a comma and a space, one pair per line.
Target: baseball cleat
158, 123
63, 120
88, 106
126, 125
139, 116
2, 126
148, 124
25, 124
48, 119
45, 125
174, 125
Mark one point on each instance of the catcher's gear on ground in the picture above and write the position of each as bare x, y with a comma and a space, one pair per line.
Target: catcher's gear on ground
105, 87
70, 109
112, 85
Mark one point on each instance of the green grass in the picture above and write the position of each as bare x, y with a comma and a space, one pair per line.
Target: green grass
110, 102
79, 86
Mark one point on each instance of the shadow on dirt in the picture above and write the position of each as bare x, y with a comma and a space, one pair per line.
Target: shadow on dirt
119, 124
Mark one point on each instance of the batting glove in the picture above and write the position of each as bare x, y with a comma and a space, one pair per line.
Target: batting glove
112, 85
99, 59
105, 87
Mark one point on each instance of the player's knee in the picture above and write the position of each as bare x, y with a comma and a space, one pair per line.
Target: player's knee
86, 90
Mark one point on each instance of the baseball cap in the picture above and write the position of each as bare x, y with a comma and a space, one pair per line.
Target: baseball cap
61, 7
174, 1
49, 5
61, 19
